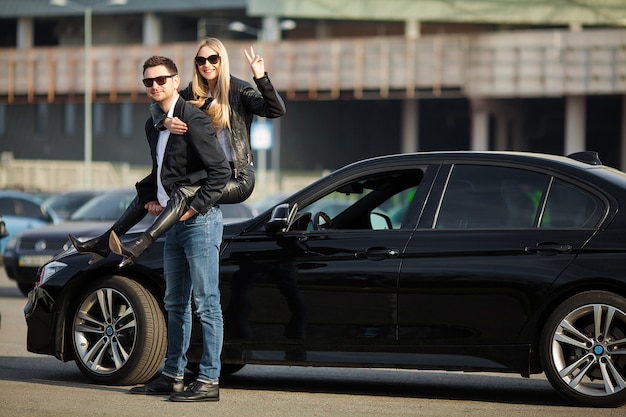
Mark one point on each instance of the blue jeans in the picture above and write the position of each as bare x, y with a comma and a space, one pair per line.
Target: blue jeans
191, 262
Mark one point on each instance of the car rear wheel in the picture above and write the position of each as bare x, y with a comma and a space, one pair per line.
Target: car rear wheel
118, 332
583, 349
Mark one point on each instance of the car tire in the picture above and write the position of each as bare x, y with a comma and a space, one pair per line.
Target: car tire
118, 332
583, 349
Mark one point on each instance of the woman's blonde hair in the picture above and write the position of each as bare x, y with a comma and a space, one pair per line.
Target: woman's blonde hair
220, 111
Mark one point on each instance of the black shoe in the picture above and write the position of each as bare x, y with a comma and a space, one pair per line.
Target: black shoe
198, 391
162, 385
129, 251
99, 246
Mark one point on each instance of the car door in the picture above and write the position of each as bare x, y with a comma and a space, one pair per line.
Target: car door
330, 280
495, 239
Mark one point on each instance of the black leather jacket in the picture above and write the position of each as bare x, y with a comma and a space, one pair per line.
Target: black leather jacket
245, 102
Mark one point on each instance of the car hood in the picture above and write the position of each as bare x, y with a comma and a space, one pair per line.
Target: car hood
87, 230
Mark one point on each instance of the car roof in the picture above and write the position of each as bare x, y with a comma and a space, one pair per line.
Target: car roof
20, 194
579, 162
579, 159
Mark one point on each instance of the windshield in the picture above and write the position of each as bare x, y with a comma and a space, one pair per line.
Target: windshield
66, 204
106, 207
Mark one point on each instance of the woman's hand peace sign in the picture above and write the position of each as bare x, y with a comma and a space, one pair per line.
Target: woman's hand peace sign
256, 63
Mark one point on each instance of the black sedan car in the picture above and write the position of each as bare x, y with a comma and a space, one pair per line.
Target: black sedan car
473, 261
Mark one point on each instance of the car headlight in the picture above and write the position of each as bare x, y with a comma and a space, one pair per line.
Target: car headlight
50, 269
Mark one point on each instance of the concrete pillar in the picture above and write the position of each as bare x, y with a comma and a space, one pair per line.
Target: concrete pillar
410, 125
151, 29
502, 132
480, 125
574, 124
623, 135
270, 32
501, 112
25, 32
412, 29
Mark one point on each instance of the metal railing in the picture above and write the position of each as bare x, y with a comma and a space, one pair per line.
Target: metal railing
513, 64
44, 175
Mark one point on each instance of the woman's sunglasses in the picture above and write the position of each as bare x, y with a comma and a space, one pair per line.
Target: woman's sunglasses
213, 59
148, 82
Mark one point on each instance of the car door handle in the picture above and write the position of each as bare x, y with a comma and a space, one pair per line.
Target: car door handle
548, 249
377, 254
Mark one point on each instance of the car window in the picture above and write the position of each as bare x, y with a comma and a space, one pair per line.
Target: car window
503, 197
374, 202
491, 197
6, 207
67, 203
569, 206
106, 207
29, 209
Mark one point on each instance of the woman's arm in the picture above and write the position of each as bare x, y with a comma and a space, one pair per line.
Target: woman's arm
265, 102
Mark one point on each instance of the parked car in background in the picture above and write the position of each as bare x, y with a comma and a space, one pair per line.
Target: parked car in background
233, 213
28, 251
21, 212
66, 203
3, 228
269, 201
473, 261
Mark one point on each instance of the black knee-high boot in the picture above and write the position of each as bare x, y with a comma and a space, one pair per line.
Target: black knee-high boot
176, 207
99, 246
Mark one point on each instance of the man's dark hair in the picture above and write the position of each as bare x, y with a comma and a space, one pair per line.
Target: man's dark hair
156, 60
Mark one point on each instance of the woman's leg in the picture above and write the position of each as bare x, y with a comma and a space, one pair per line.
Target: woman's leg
239, 187
99, 246
176, 207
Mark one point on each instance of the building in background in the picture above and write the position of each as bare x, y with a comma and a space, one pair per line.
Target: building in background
360, 77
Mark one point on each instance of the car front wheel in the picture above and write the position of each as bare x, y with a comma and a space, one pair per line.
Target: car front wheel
118, 332
583, 349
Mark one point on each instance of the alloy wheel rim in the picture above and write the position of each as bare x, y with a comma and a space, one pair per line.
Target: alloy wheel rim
105, 331
589, 350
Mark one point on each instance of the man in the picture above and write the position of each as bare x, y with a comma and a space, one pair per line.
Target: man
191, 252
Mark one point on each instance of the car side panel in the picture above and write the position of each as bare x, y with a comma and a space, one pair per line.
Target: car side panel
312, 287
477, 287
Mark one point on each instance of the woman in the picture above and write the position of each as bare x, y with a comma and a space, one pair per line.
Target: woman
231, 103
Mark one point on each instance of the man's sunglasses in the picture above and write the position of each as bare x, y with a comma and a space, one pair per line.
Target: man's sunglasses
213, 59
148, 82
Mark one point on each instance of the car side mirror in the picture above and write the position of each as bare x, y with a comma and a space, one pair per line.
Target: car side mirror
282, 217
